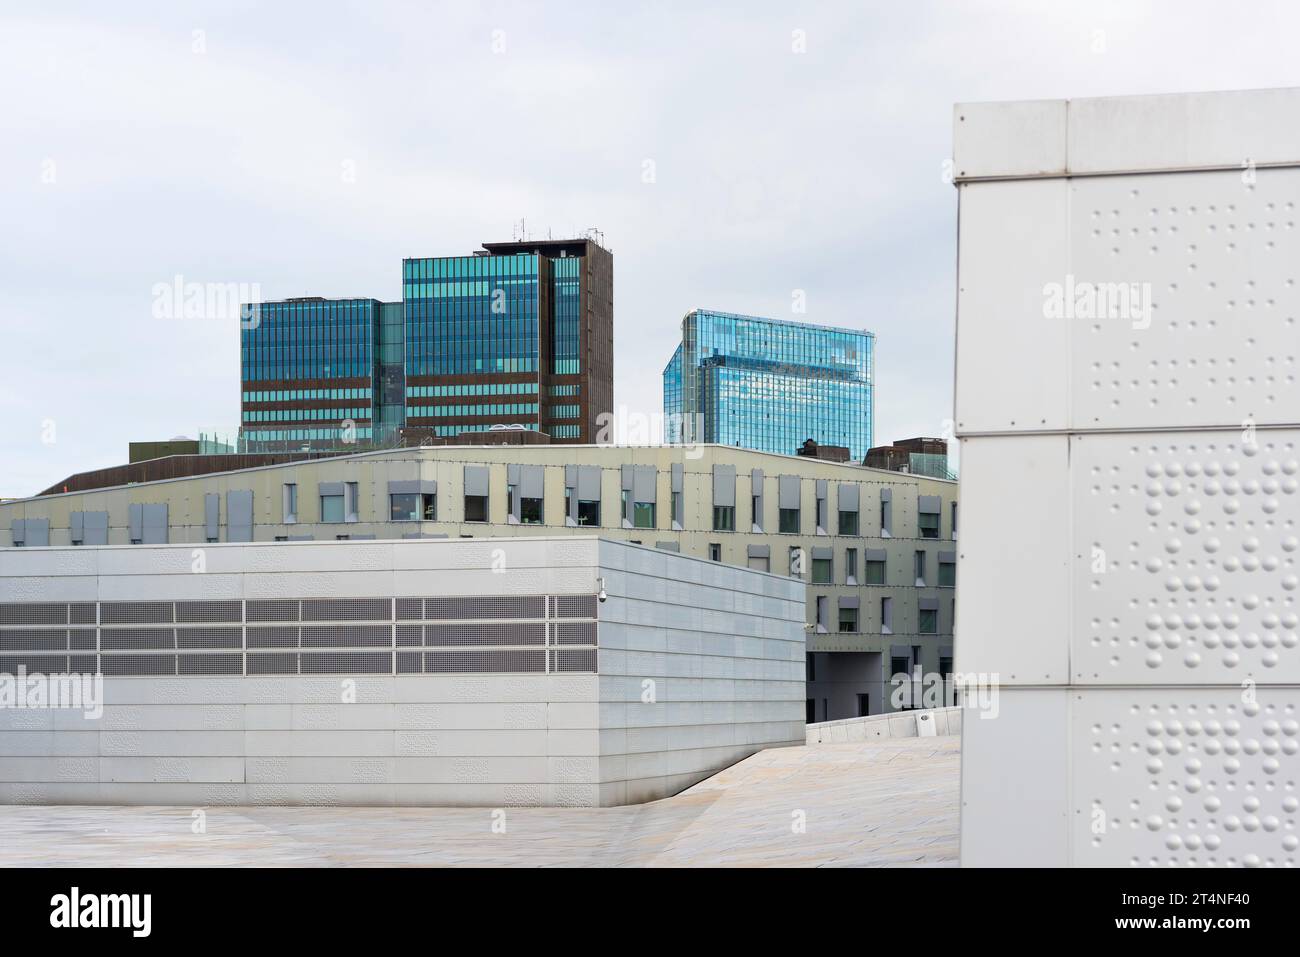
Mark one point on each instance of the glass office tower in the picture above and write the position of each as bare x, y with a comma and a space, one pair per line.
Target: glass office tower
308, 372
768, 385
473, 343
518, 334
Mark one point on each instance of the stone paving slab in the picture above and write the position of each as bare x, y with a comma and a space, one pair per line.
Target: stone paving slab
889, 802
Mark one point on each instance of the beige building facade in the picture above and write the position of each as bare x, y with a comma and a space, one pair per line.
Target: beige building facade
876, 549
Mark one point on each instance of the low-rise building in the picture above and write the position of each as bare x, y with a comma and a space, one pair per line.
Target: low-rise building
876, 549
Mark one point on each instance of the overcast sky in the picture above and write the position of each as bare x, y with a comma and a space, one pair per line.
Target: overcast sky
730, 154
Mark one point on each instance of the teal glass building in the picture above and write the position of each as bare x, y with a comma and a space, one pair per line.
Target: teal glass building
768, 385
516, 335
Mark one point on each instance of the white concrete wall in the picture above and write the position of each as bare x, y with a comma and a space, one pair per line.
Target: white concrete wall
905, 724
729, 682
1128, 542
701, 665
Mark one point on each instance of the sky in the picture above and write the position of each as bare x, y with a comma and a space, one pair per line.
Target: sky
741, 157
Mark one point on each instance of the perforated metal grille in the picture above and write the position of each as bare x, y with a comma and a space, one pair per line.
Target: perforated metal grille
272, 664
574, 606
33, 639
210, 638
273, 636
136, 639
135, 612
488, 607
225, 636
573, 659
82, 664
486, 633
347, 636
346, 609
43, 664
574, 633
335, 663
214, 664
82, 613
450, 662
274, 609
203, 611
137, 665
33, 613
410, 609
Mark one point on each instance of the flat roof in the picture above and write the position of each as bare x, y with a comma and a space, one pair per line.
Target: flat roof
453, 450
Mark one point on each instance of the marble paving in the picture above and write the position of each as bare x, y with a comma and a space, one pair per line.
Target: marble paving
891, 802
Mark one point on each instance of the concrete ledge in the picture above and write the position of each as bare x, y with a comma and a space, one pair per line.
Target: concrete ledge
900, 724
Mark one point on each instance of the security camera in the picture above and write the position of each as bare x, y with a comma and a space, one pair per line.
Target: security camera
601, 596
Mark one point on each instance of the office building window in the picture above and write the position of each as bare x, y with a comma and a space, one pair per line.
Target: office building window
848, 523
954, 521
947, 575
789, 521
412, 507
850, 566
331, 508
886, 616
796, 562
849, 619
919, 563
290, 503
929, 524
588, 513
756, 512
929, 621
875, 573
715, 552
476, 508
823, 571
724, 517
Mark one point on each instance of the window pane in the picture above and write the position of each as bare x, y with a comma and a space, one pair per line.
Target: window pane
404, 507
331, 508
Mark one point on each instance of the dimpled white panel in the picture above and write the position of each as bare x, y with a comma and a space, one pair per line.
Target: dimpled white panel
1185, 777
1210, 336
1169, 318
1186, 557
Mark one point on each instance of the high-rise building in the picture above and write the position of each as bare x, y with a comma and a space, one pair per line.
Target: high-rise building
770, 385
516, 335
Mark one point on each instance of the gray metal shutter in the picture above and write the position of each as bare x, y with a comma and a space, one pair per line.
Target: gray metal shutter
413, 487
848, 497
212, 515
155, 525
135, 522
789, 491
239, 516
476, 479
724, 486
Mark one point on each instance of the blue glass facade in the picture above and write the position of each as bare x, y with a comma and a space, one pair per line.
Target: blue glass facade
518, 334
473, 315
308, 367
768, 385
